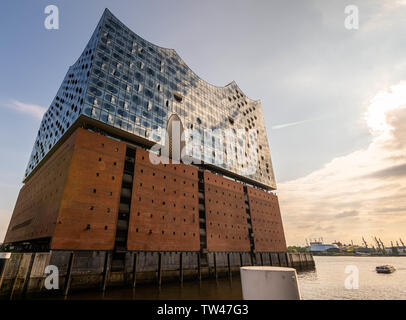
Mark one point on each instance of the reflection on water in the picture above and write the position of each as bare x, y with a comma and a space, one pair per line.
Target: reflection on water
207, 289
326, 282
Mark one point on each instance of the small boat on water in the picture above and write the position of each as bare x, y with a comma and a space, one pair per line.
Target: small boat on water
385, 269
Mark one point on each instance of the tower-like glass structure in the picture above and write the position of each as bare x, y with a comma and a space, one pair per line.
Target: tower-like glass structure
128, 83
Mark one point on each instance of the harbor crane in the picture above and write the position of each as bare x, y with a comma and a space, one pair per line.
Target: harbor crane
377, 242
365, 243
383, 246
402, 242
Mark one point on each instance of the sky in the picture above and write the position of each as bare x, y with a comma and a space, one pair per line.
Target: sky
333, 99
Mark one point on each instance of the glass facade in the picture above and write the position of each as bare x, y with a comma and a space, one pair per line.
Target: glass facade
124, 81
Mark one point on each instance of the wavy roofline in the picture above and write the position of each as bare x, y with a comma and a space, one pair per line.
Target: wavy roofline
180, 58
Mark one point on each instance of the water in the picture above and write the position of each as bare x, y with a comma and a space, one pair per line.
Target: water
326, 282
208, 290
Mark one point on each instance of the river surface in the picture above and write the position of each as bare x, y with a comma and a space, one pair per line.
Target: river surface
328, 281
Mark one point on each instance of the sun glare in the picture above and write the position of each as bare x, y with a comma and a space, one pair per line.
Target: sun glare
390, 99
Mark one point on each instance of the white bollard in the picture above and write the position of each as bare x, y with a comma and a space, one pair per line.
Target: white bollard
269, 283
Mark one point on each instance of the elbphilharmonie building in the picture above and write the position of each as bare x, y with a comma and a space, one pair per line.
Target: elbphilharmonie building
90, 187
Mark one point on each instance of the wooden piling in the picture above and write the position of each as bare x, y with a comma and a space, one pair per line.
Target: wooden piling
288, 262
229, 266
16, 276
134, 269
28, 276
68, 277
300, 261
2, 273
106, 271
199, 271
215, 265
159, 269
181, 268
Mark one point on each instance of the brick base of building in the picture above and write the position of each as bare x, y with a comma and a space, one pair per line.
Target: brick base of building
97, 193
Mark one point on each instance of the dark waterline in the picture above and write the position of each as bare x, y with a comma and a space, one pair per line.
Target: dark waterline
207, 289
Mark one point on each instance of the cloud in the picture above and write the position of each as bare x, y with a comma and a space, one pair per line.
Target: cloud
394, 171
368, 183
393, 4
27, 108
346, 214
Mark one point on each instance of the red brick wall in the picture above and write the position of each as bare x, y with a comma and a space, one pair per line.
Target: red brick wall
226, 221
266, 221
91, 195
164, 207
38, 202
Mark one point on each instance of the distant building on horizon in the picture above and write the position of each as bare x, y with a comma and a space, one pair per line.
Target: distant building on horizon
318, 246
91, 188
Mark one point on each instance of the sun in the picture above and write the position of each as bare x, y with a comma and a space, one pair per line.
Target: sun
390, 99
